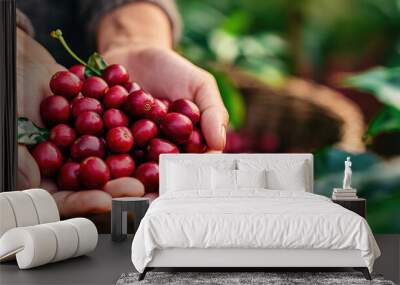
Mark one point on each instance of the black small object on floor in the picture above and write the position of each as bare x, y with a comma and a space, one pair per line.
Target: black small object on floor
364, 270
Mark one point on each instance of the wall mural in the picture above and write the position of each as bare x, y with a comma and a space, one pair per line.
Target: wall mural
293, 79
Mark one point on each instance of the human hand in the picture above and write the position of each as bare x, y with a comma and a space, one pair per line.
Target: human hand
35, 67
86, 202
165, 74
138, 35
94, 201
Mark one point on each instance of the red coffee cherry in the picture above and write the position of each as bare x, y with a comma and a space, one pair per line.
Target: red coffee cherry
94, 172
86, 146
119, 139
177, 127
120, 165
62, 136
115, 97
86, 104
148, 174
94, 87
115, 74
89, 123
48, 157
187, 108
157, 112
66, 84
54, 110
78, 70
68, 177
158, 146
196, 143
76, 99
139, 103
115, 118
144, 130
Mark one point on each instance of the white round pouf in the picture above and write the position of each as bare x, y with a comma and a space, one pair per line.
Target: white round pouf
23, 208
31, 232
87, 234
7, 218
34, 245
40, 244
45, 205
67, 240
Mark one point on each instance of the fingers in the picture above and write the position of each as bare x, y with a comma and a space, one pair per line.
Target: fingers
214, 117
28, 175
124, 187
82, 203
213, 125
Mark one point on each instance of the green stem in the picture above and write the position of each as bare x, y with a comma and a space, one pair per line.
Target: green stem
57, 34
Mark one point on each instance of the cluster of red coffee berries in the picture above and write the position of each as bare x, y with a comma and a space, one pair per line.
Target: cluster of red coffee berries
106, 127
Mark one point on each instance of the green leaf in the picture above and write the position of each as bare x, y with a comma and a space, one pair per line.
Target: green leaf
370, 80
237, 22
233, 100
95, 65
383, 83
29, 134
387, 120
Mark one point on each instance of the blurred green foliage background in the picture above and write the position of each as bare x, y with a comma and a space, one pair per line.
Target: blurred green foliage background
351, 46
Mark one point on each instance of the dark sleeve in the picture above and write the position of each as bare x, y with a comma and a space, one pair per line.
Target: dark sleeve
24, 23
93, 10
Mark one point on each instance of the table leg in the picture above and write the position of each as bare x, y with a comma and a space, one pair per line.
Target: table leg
117, 222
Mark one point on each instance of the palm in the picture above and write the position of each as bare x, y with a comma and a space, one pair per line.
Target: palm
166, 74
34, 70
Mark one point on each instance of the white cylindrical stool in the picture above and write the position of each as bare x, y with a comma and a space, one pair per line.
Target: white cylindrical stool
45, 205
7, 218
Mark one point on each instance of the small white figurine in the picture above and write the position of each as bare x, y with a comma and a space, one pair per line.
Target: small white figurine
347, 174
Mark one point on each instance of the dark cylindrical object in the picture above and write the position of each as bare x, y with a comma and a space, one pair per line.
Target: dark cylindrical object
119, 212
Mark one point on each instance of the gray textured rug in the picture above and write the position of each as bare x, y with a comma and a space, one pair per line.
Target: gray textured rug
233, 278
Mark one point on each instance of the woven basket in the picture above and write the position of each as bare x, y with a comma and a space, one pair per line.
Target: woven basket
303, 115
